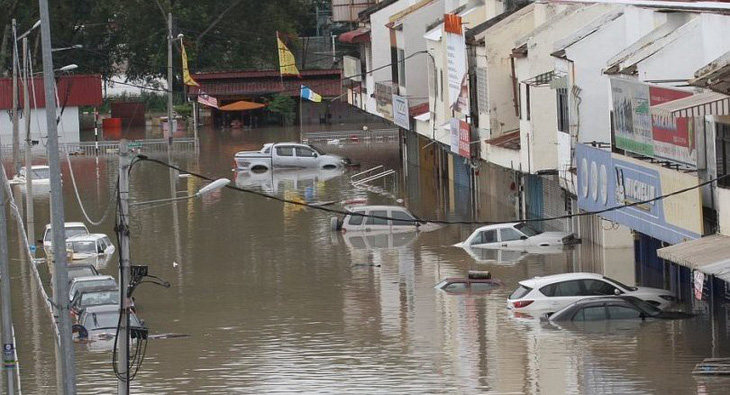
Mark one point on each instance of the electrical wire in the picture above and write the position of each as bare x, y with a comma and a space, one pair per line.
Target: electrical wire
434, 221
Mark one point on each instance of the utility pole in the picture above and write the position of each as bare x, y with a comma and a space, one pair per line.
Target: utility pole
124, 269
30, 226
169, 79
9, 362
16, 135
65, 366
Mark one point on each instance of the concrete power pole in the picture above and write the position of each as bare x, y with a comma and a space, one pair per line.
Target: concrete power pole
65, 366
16, 135
9, 362
28, 146
170, 121
124, 269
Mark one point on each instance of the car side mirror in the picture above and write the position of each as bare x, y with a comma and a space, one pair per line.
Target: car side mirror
523, 237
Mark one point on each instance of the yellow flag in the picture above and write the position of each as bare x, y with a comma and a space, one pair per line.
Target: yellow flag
287, 63
186, 73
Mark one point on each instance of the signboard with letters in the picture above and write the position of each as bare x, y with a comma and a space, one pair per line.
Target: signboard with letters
384, 99
637, 129
608, 180
400, 112
460, 137
458, 79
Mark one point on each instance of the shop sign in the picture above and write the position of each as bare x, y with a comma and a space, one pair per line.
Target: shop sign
607, 180
400, 112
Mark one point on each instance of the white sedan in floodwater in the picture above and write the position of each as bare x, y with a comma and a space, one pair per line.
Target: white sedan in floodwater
517, 236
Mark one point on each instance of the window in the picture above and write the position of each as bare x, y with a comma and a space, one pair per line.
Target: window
565, 288
622, 313
355, 219
563, 121
509, 234
401, 218
304, 152
597, 287
285, 151
401, 67
722, 147
527, 229
520, 292
455, 287
377, 221
622, 285
593, 313
527, 101
267, 150
487, 236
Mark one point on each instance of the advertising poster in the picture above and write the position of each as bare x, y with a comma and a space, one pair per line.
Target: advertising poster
642, 131
607, 180
456, 58
400, 112
464, 149
454, 126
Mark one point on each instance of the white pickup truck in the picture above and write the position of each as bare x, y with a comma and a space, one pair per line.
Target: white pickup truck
283, 155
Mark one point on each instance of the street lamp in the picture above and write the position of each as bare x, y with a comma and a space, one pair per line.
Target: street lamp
67, 48
125, 272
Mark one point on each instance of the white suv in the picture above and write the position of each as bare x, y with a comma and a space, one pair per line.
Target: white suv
551, 293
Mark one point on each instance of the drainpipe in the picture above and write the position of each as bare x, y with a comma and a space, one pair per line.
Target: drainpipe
514, 85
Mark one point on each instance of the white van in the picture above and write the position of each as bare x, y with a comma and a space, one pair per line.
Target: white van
70, 228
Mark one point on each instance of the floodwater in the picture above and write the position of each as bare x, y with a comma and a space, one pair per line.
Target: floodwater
272, 301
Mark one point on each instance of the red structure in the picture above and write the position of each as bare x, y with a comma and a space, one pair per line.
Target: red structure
248, 85
73, 91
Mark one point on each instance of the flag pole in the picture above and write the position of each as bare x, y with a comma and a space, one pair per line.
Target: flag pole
301, 113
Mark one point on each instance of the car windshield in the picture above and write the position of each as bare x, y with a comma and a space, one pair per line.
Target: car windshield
99, 298
82, 247
81, 285
317, 150
649, 308
39, 174
528, 230
80, 272
620, 284
107, 319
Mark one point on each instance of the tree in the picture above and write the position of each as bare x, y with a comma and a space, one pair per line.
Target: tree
283, 106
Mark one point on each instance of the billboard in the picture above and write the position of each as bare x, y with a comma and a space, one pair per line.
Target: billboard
608, 180
400, 112
637, 129
460, 137
384, 99
458, 79
351, 68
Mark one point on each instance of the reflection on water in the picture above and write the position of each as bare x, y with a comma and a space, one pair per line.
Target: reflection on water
273, 301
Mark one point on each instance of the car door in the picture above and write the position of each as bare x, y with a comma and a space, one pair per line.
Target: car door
284, 156
511, 238
561, 294
306, 157
486, 238
354, 221
109, 247
402, 221
592, 287
373, 223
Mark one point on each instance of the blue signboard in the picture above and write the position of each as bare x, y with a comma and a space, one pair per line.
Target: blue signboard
608, 180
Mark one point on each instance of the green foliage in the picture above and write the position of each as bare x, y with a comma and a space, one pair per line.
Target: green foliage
185, 110
284, 107
153, 102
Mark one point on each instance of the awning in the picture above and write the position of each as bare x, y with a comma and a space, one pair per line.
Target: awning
434, 34
715, 76
699, 105
423, 117
242, 106
544, 78
710, 255
356, 36
509, 140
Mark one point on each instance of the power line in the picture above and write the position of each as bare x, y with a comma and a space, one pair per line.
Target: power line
434, 221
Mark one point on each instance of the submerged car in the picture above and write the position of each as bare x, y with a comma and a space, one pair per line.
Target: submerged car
79, 284
379, 218
71, 229
551, 293
517, 236
476, 282
287, 155
613, 308
81, 270
94, 296
89, 246
99, 324
40, 174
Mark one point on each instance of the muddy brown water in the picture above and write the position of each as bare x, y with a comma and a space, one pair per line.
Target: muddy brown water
272, 301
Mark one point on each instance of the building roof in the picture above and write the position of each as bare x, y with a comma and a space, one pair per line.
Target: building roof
471, 34
715, 76
239, 84
708, 254
586, 31
73, 91
361, 35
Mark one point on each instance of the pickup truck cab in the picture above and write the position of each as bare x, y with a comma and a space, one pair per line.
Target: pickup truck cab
287, 155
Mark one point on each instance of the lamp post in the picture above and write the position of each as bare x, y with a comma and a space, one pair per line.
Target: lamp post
125, 162
169, 78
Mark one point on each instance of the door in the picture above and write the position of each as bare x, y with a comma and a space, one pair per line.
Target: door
402, 220
562, 294
284, 156
512, 239
306, 157
373, 224
486, 238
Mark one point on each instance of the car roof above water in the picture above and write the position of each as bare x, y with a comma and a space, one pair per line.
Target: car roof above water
375, 207
537, 282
